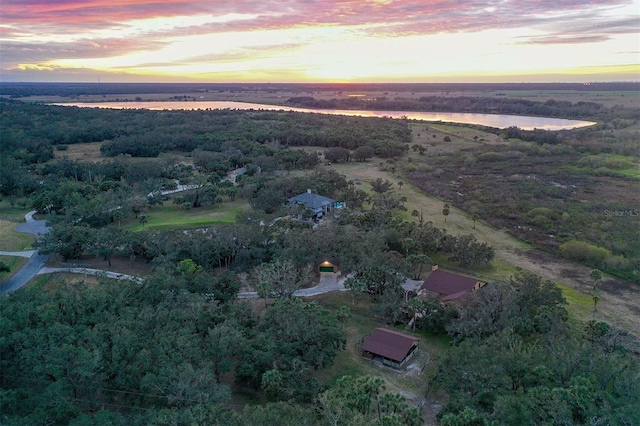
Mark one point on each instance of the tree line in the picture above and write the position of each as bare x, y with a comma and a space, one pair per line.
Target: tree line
30, 131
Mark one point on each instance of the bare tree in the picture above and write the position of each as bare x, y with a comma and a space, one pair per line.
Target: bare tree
281, 278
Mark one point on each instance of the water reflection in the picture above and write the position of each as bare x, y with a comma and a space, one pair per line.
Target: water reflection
491, 120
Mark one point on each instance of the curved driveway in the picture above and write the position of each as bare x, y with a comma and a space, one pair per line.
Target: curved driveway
36, 260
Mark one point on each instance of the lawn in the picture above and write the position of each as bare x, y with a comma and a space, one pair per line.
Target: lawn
579, 304
11, 240
173, 217
14, 213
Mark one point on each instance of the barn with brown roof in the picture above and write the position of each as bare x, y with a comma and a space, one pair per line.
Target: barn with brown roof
390, 347
448, 286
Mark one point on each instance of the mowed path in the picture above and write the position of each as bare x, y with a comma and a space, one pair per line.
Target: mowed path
619, 300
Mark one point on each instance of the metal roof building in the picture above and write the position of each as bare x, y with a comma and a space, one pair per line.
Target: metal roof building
394, 348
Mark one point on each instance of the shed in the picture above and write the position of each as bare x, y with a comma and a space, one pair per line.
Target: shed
328, 266
395, 349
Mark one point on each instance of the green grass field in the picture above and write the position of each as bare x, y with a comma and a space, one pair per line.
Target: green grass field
580, 304
11, 240
15, 213
173, 217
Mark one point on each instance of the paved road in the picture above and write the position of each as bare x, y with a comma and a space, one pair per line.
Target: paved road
36, 260
26, 253
24, 275
328, 282
32, 226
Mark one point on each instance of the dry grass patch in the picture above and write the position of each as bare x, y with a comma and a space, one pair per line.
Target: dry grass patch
83, 152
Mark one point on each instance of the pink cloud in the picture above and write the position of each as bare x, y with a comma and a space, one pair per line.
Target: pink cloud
434, 15
566, 21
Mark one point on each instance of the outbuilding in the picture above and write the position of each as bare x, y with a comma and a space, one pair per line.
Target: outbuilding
328, 266
390, 347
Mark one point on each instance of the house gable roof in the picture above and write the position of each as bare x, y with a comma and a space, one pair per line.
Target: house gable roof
311, 201
449, 285
389, 344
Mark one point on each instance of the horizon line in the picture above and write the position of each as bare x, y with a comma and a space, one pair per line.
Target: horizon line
583, 83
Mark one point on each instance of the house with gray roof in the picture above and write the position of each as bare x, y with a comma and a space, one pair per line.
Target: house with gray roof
232, 175
315, 205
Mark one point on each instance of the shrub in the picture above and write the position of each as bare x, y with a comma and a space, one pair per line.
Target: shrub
409, 168
617, 163
605, 165
584, 252
491, 156
514, 154
469, 160
618, 263
171, 185
604, 171
543, 211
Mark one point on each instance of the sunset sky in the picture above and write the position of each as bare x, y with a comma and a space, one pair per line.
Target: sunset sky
320, 40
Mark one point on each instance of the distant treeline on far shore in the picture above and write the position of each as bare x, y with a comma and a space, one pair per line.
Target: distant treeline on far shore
22, 89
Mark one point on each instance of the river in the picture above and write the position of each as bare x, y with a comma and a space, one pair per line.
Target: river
491, 120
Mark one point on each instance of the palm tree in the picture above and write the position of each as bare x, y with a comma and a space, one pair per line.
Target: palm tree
596, 276
118, 215
343, 314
